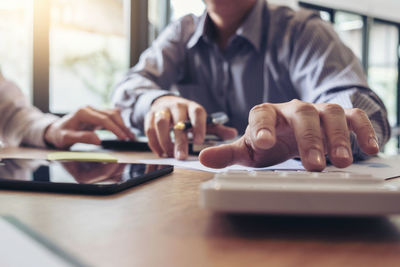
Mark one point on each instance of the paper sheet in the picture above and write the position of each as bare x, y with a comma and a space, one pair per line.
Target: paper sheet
194, 163
384, 167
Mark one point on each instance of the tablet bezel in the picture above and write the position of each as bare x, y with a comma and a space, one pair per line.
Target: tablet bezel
81, 188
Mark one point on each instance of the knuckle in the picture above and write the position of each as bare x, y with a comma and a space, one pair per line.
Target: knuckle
306, 109
308, 136
333, 109
357, 113
296, 102
199, 111
180, 105
264, 107
150, 131
261, 106
340, 135
161, 122
103, 117
81, 111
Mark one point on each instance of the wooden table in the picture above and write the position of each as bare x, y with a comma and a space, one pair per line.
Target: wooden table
160, 224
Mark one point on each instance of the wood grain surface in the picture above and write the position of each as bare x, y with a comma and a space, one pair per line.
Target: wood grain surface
160, 224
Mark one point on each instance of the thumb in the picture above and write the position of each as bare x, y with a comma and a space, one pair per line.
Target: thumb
224, 155
72, 137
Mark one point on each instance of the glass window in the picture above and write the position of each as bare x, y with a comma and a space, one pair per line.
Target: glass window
325, 16
88, 52
349, 27
180, 8
160, 14
16, 42
382, 71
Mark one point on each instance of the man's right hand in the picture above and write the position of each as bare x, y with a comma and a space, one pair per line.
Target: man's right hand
167, 111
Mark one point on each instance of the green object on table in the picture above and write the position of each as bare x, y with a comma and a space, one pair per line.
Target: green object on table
82, 156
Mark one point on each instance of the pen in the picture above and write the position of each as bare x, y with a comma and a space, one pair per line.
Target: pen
214, 118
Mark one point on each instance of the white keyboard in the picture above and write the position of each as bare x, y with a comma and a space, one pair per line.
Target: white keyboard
300, 192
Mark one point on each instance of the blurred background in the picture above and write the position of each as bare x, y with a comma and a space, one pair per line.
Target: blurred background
65, 54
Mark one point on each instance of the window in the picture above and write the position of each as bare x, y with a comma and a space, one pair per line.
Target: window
162, 12
383, 69
349, 27
325, 16
180, 8
16, 42
88, 52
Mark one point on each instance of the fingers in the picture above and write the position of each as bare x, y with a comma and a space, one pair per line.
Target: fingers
115, 116
304, 119
151, 133
334, 123
277, 132
162, 122
224, 155
179, 114
198, 116
67, 138
167, 111
262, 123
102, 119
359, 123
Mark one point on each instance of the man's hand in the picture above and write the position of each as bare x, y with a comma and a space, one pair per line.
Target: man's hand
165, 112
79, 127
278, 132
94, 172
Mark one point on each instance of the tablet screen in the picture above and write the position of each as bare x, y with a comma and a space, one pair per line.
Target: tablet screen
102, 174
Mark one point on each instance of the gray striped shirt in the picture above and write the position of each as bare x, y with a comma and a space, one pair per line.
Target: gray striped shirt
276, 55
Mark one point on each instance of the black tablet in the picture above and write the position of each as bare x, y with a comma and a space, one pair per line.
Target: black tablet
81, 177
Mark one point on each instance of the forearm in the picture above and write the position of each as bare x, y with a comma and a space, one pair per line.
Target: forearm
20, 123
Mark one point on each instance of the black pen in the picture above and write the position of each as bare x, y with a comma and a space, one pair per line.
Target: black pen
214, 118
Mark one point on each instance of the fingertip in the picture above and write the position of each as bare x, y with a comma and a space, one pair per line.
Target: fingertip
216, 157
180, 155
131, 135
373, 146
94, 139
231, 133
264, 139
314, 160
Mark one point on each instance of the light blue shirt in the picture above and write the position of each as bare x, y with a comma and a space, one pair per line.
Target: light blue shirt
276, 55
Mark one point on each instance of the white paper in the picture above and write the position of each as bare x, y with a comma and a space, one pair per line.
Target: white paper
194, 163
19, 249
384, 167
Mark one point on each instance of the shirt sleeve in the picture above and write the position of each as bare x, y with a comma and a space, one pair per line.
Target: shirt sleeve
158, 68
324, 70
20, 122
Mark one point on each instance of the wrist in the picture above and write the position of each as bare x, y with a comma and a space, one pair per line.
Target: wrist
48, 136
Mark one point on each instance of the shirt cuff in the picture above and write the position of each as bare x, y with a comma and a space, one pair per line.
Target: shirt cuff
35, 136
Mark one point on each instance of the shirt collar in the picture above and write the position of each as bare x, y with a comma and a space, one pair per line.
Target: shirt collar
201, 30
250, 28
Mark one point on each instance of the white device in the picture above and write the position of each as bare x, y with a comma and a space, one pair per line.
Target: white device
300, 193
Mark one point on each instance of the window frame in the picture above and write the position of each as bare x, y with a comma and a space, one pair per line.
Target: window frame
136, 15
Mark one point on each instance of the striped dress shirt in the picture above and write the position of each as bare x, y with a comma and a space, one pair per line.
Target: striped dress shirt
276, 55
